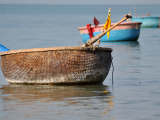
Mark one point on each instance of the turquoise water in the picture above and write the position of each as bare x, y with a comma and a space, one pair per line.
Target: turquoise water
135, 93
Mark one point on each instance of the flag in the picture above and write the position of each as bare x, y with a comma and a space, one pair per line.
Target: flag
3, 48
107, 25
95, 21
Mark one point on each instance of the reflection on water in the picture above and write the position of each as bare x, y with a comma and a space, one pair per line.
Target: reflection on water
82, 98
126, 44
120, 43
52, 92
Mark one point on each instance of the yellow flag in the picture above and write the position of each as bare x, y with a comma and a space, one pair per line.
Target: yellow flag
107, 25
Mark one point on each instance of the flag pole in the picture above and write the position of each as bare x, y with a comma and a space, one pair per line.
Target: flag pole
94, 39
109, 11
107, 24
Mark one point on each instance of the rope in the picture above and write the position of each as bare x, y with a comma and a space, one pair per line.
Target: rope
112, 69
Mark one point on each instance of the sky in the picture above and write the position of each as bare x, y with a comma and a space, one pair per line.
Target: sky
105, 2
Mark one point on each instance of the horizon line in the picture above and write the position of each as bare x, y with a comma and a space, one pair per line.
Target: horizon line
67, 4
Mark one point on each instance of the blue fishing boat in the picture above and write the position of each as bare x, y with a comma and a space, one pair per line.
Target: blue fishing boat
126, 31
147, 21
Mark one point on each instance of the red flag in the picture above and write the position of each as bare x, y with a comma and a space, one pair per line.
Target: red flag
95, 21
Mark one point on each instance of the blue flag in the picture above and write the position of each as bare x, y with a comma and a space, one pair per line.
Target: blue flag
3, 48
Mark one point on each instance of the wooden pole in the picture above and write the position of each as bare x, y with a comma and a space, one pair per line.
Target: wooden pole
135, 11
94, 39
130, 18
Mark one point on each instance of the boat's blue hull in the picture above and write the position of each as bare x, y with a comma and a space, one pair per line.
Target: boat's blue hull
116, 35
127, 31
147, 21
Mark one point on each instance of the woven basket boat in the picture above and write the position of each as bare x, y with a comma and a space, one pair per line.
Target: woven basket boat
56, 65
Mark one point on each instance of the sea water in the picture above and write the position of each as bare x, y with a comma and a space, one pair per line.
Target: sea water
135, 93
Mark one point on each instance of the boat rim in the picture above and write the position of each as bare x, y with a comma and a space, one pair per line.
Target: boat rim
56, 49
101, 25
146, 17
